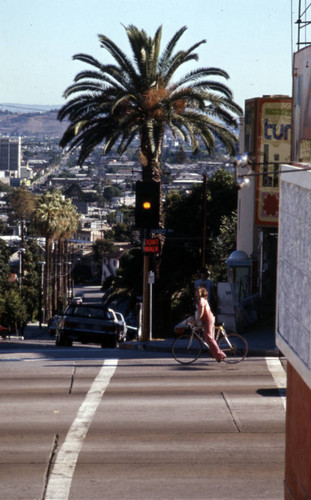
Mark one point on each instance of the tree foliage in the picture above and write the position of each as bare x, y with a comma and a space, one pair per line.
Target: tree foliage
13, 310
222, 246
114, 103
127, 284
101, 248
112, 192
55, 215
22, 204
184, 211
4, 266
30, 289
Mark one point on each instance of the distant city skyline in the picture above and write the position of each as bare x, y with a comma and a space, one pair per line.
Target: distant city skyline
251, 40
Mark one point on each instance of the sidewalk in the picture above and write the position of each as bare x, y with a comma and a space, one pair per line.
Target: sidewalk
261, 340
32, 331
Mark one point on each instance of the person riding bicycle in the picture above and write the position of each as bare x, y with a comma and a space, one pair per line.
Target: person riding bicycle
209, 285
205, 315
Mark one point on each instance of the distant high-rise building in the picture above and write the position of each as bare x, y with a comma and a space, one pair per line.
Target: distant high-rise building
10, 156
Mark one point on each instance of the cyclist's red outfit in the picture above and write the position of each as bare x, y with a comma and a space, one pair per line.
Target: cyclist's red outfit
208, 322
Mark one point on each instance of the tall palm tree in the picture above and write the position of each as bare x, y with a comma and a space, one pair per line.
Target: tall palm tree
114, 103
68, 224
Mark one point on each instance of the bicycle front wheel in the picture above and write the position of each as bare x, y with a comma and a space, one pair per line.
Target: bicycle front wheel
234, 346
186, 349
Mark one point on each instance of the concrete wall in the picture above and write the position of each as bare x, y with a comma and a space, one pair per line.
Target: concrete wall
293, 325
294, 271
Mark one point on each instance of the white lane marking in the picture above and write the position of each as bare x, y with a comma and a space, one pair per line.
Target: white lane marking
58, 487
279, 375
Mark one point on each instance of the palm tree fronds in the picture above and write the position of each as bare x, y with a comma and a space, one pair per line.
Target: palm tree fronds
111, 104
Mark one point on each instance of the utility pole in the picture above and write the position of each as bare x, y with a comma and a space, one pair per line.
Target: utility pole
204, 219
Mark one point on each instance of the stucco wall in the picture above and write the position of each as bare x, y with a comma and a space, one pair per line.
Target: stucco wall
293, 327
297, 484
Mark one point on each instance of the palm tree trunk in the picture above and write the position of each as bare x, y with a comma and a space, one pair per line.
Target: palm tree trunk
150, 158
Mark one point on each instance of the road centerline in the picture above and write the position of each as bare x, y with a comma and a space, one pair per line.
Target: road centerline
59, 482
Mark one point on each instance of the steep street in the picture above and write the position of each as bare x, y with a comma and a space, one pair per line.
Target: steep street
86, 422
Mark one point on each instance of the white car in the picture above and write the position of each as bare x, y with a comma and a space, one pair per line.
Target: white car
77, 300
122, 323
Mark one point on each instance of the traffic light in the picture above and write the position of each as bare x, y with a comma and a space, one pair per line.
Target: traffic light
147, 208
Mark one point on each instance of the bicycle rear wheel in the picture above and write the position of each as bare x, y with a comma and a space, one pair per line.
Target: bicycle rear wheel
234, 346
186, 349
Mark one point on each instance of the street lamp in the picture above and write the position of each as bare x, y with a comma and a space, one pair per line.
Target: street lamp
244, 161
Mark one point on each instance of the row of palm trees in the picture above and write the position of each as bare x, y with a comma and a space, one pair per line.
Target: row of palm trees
55, 218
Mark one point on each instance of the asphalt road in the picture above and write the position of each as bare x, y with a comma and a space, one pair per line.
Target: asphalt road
88, 423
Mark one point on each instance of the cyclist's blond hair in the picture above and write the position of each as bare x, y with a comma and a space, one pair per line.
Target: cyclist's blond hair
203, 292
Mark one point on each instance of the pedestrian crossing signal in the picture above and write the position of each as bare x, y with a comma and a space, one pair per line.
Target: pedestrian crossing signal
147, 207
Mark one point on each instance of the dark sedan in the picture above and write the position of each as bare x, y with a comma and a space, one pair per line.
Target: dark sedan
89, 323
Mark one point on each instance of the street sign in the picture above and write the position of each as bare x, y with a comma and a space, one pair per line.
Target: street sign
151, 278
152, 245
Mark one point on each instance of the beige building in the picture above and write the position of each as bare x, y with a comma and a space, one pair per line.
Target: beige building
266, 137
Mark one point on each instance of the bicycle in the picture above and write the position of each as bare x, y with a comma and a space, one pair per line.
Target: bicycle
187, 348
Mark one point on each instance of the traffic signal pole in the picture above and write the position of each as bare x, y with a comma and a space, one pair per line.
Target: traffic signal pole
145, 327
147, 217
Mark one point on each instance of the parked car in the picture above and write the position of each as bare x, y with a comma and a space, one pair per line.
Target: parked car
89, 323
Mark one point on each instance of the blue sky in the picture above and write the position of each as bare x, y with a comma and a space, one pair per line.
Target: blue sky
250, 39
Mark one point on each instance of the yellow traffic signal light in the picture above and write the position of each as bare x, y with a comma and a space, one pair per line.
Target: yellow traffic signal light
147, 208
147, 205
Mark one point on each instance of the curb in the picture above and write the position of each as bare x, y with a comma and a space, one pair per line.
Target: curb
155, 346
13, 337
